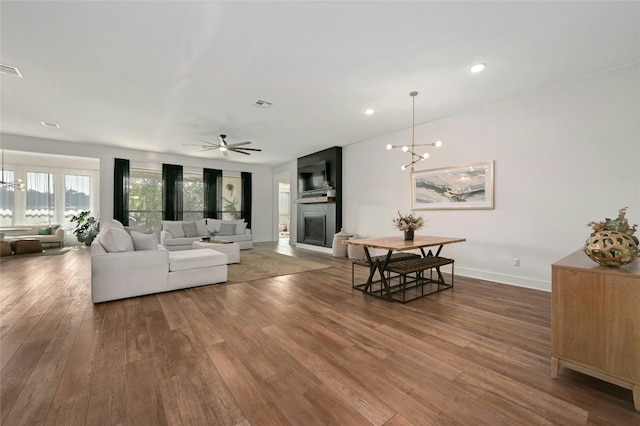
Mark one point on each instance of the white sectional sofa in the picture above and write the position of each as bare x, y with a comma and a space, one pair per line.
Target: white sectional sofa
134, 264
53, 234
180, 235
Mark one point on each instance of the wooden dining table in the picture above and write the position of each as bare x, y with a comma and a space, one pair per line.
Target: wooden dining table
429, 247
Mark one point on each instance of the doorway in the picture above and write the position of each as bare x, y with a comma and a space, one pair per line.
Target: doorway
284, 203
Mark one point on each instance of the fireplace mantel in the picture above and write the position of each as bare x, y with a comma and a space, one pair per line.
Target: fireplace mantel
314, 200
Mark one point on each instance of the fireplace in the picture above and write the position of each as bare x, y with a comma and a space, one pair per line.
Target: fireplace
315, 225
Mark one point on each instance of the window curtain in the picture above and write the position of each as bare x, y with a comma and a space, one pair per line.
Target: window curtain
212, 181
245, 203
171, 192
121, 191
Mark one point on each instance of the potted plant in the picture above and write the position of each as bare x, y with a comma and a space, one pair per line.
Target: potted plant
612, 242
87, 227
408, 224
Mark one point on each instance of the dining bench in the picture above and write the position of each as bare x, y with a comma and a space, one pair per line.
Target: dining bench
419, 266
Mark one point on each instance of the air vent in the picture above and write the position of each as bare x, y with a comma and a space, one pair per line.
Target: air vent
54, 125
263, 104
8, 69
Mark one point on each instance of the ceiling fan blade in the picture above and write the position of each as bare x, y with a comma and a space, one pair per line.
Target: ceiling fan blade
238, 144
238, 151
208, 143
247, 149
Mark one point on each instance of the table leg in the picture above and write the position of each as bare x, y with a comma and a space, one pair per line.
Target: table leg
376, 266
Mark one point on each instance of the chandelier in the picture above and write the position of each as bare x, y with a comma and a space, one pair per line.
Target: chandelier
16, 184
414, 157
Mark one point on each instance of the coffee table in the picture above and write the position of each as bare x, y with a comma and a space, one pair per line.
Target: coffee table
232, 250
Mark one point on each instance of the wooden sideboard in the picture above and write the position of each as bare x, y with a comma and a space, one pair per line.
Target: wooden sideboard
596, 320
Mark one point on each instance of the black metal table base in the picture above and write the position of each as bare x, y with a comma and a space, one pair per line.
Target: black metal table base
405, 288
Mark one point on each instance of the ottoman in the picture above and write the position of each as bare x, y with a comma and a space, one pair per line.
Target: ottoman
5, 249
232, 250
191, 268
28, 246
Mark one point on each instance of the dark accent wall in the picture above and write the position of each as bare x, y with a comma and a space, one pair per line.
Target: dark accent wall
332, 209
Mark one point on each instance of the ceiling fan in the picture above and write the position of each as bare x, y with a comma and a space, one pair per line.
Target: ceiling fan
223, 146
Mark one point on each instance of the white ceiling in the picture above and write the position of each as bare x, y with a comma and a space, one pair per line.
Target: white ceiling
151, 75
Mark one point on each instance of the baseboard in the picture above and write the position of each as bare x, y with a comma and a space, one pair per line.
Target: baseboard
314, 248
504, 279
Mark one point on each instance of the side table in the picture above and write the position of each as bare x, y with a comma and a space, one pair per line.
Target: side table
5, 249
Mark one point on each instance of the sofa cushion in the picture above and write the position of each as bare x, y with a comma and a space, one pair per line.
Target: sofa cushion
142, 241
182, 241
115, 239
44, 230
197, 258
213, 225
227, 229
201, 224
173, 227
190, 229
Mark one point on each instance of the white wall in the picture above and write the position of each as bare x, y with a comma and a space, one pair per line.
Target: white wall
564, 156
263, 210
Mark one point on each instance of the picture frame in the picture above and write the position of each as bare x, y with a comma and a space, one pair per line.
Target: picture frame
468, 186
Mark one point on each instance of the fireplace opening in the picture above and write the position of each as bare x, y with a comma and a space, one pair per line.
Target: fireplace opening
314, 228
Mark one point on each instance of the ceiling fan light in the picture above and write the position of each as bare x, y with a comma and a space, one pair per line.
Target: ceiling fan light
223, 148
476, 68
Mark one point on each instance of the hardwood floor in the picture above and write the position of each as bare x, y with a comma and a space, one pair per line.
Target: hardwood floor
303, 349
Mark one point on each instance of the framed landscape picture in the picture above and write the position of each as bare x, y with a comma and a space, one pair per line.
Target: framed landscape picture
458, 187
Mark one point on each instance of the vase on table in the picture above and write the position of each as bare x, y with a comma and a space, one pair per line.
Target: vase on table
408, 235
611, 248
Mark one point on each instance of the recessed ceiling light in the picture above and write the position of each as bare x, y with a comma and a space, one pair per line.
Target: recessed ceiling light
476, 68
45, 124
369, 111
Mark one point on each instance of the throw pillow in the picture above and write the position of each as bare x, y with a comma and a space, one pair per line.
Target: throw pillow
213, 225
115, 239
226, 230
201, 224
190, 229
44, 230
142, 241
241, 225
173, 227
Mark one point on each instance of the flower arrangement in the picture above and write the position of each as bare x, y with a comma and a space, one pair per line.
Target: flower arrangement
619, 224
408, 222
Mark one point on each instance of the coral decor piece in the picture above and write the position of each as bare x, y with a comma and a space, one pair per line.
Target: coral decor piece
612, 242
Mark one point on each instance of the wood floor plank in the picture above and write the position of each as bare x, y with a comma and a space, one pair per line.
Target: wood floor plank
302, 349
254, 402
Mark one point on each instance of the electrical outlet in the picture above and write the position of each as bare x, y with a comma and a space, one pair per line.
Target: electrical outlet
516, 261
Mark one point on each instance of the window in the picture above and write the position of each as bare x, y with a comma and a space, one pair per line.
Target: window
7, 199
77, 196
145, 198
231, 197
40, 205
192, 197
